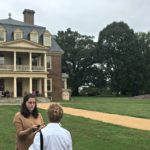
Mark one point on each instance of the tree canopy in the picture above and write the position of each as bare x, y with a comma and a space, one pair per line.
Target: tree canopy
120, 57
78, 57
118, 62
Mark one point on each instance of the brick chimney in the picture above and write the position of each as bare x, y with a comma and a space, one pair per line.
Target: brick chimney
29, 16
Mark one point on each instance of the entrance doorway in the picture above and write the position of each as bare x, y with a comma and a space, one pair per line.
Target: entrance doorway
19, 88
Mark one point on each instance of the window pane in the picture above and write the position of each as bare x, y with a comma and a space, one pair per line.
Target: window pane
48, 62
17, 36
49, 85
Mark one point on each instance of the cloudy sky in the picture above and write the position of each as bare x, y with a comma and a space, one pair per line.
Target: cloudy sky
88, 17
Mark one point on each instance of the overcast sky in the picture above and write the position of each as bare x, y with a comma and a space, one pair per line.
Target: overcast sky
88, 17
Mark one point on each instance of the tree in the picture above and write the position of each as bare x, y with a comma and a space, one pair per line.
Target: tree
144, 47
78, 58
120, 58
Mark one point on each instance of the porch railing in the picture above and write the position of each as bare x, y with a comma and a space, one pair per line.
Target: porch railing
6, 67
38, 68
21, 68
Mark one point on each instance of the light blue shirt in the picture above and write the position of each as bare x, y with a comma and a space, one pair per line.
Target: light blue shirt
55, 137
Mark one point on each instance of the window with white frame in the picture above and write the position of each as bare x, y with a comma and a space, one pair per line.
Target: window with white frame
47, 38
49, 85
49, 62
18, 34
34, 36
2, 34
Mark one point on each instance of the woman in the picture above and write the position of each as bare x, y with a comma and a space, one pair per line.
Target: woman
27, 122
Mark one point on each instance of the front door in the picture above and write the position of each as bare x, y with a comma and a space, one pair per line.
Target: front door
19, 88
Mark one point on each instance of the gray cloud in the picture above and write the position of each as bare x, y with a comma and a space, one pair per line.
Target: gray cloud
88, 17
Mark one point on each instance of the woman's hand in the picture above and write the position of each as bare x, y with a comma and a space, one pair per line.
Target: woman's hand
35, 128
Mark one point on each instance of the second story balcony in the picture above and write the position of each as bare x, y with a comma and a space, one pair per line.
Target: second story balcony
23, 61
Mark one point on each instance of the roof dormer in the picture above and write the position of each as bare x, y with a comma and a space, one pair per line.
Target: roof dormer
34, 36
47, 38
18, 34
2, 34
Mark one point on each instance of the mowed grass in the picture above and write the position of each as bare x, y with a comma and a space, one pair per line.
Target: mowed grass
86, 134
114, 105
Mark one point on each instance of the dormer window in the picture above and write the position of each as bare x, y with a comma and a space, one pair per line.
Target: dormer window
2, 34
18, 34
34, 36
47, 39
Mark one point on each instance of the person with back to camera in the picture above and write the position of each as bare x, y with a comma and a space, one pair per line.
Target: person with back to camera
55, 137
27, 122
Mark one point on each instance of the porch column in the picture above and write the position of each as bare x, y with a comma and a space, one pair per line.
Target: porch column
15, 88
40, 86
65, 83
14, 61
30, 85
30, 61
45, 87
45, 62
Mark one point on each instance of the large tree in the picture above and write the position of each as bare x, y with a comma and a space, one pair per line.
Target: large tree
78, 58
144, 47
120, 58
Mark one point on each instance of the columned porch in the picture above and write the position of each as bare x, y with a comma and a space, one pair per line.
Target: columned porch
20, 86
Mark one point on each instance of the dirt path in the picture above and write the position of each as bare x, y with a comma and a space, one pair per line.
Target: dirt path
131, 122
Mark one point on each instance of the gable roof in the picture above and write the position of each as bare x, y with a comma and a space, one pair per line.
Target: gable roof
22, 43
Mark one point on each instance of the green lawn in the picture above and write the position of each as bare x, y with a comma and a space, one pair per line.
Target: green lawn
86, 134
123, 106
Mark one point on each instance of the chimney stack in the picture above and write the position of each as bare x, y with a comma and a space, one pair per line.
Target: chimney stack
29, 16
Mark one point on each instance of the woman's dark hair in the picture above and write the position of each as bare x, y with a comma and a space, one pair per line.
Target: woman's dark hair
24, 110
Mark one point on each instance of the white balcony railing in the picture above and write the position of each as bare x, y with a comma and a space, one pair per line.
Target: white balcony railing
38, 68
6, 67
21, 68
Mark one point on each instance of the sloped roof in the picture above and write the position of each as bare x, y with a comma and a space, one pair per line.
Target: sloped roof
11, 24
11, 21
54, 46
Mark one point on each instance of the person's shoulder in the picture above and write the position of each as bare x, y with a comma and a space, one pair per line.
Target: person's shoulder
17, 114
67, 131
39, 114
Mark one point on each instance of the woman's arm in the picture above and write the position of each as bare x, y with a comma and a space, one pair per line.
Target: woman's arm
21, 132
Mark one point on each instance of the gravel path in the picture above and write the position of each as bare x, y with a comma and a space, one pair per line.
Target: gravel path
130, 122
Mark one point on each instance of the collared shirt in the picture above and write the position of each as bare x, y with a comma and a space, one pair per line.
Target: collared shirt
55, 137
